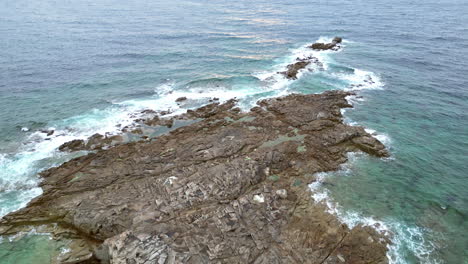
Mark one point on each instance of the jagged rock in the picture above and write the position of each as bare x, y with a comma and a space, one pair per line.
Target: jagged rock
327, 46
337, 40
209, 110
94, 142
301, 63
152, 121
157, 121
74, 145
231, 188
148, 111
181, 99
293, 69
98, 141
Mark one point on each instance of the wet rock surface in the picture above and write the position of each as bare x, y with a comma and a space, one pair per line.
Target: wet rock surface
293, 69
181, 99
74, 145
230, 188
94, 142
334, 45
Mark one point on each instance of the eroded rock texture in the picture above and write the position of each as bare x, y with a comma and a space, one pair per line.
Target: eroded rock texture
231, 188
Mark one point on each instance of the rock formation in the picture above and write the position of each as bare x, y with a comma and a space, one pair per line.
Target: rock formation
94, 142
334, 45
230, 188
301, 63
293, 69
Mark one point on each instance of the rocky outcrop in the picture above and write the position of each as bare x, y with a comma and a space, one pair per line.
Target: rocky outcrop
157, 121
293, 69
94, 142
48, 132
334, 45
230, 188
74, 145
301, 63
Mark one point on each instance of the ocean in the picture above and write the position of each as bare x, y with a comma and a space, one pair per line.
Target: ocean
83, 67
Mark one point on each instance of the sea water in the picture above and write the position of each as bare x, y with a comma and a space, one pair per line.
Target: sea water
84, 67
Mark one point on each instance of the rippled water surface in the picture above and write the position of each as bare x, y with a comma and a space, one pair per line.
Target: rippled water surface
81, 67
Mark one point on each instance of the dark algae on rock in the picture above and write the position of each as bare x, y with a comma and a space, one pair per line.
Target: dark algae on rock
230, 188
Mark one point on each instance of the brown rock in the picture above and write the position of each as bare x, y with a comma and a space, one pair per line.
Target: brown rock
231, 188
74, 145
293, 69
95, 141
48, 132
337, 40
148, 111
327, 46
137, 131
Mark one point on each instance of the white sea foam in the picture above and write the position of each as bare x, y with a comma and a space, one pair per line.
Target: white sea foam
353, 79
18, 171
385, 139
167, 100
32, 232
382, 137
403, 237
360, 80
278, 81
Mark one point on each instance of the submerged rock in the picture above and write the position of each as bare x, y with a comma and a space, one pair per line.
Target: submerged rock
231, 188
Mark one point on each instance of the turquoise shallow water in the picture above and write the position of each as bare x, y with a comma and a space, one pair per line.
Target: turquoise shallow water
82, 67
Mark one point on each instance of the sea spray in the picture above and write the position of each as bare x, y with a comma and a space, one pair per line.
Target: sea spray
38, 146
18, 171
404, 238
39, 151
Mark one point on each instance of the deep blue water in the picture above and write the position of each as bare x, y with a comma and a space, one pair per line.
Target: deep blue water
82, 67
